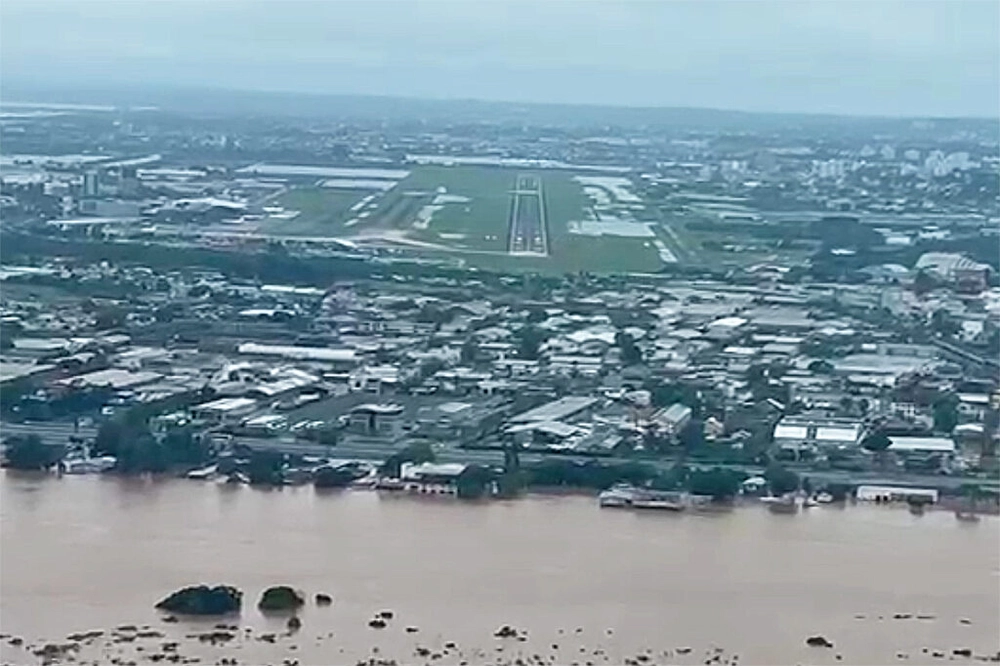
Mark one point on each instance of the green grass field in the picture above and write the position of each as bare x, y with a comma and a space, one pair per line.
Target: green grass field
482, 224
720, 248
571, 253
322, 211
479, 226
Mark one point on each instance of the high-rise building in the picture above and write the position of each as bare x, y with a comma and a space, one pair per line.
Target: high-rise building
90, 184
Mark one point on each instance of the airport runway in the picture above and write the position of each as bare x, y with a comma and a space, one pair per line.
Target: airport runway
528, 233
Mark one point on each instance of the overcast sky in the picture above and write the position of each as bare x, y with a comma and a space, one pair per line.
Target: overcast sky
884, 57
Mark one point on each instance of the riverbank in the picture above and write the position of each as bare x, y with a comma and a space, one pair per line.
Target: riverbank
945, 503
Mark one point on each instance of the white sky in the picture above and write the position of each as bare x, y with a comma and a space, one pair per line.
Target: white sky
894, 57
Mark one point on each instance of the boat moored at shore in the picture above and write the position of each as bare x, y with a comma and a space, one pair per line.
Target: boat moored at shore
627, 496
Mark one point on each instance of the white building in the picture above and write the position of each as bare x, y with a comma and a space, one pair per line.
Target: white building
797, 433
895, 494
225, 411
922, 445
725, 328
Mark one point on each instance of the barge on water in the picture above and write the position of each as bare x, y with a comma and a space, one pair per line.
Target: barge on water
630, 497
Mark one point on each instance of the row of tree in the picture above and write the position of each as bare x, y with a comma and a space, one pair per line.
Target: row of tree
719, 483
29, 452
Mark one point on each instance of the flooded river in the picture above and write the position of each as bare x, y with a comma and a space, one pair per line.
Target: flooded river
588, 585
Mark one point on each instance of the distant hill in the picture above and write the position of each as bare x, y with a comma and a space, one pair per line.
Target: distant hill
216, 102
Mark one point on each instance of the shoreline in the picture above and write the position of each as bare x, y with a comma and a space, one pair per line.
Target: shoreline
945, 504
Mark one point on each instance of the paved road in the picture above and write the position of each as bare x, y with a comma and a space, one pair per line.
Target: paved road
50, 432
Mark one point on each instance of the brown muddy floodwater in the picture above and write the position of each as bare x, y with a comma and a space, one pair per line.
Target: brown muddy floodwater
86, 553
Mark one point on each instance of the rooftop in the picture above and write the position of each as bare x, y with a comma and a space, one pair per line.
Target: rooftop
298, 352
928, 444
377, 408
114, 378
555, 410
226, 405
413, 471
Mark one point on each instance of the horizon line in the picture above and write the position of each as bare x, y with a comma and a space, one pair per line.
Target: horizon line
90, 88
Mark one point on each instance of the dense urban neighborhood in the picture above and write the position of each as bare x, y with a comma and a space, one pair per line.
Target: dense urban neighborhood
722, 309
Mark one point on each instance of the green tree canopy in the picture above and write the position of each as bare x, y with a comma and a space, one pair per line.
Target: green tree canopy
30, 453
536, 315
781, 480
140, 453
470, 352
109, 438
529, 340
720, 484
416, 452
473, 481
265, 467
876, 442
630, 352
946, 413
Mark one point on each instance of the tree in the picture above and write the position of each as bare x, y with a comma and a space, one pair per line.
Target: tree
536, 316
781, 480
630, 352
756, 374
109, 438
946, 413
923, 283
391, 467
821, 367
807, 485
199, 291
30, 453
819, 348
876, 442
943, 323
327, 437
674, 478
529, 340
418, 452
182, 447
432, 314
511, 483
333, 477
692, 435
109, 317
430, 367
718, 483
473, 481
664, 394
847, 405
141, 453
561, 472
264, 468
470, 352
8, 331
